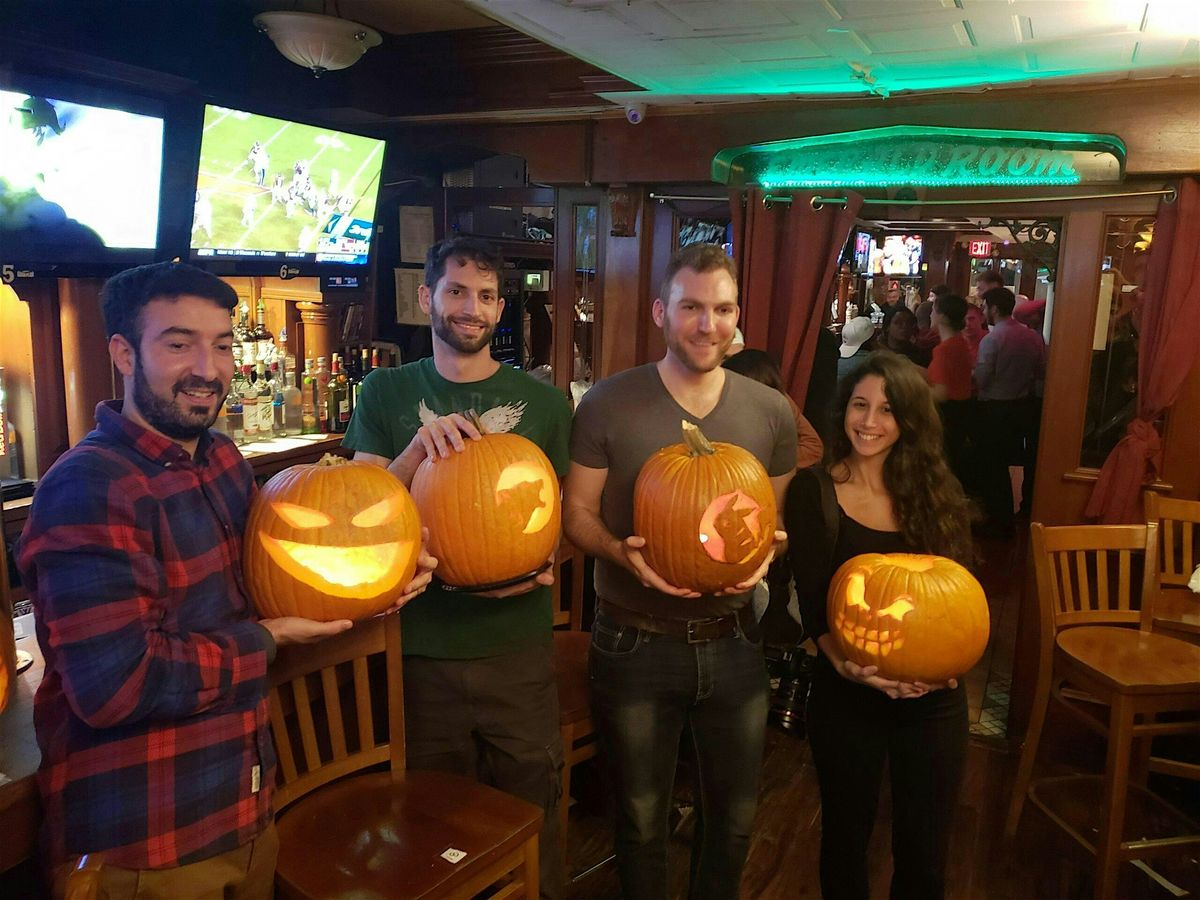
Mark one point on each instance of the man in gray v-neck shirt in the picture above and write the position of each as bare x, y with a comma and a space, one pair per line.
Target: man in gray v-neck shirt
664, 659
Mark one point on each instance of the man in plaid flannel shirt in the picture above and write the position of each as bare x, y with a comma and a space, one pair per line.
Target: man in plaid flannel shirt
152, 715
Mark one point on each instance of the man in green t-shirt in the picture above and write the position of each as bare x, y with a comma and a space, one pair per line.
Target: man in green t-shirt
480, 698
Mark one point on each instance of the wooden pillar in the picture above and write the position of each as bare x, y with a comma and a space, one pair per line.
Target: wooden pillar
49, 407
87, 370
319, 323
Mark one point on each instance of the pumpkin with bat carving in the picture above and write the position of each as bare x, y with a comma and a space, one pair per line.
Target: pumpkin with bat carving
707, 512
332, 540
492, 510
917, 617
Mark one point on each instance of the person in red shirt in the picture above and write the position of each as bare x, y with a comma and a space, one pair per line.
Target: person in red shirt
949, 376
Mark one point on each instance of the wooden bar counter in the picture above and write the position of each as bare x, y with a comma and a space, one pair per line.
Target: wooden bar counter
20, 807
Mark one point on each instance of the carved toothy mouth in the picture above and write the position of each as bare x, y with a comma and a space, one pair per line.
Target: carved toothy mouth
863, 627
342, 567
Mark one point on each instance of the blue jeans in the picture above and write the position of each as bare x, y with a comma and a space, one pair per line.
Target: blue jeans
647, 689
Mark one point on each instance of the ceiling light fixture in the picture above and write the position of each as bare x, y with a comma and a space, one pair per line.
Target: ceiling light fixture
319, 43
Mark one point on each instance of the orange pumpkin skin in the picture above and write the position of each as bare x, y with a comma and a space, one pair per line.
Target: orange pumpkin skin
707, 512
492, 510
916, 617
332, 540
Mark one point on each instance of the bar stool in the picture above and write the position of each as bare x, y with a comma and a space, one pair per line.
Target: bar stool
1085, 654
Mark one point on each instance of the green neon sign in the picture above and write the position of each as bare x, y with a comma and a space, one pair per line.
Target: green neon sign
924, 157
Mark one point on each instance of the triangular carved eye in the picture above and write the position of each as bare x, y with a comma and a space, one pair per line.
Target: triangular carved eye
377, 513
301, 516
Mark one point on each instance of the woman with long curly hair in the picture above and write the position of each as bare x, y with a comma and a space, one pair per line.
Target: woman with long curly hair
884, 488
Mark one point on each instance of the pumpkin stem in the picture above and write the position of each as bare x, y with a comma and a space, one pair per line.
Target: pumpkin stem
695, 441
331, 459
474, 419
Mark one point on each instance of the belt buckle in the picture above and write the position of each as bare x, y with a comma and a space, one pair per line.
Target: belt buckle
691, 632
694, 626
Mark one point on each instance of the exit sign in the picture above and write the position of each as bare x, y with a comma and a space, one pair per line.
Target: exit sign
980, 248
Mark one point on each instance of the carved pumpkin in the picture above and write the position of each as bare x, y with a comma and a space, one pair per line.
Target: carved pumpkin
492, 511
707, 512
918, 618
333, 540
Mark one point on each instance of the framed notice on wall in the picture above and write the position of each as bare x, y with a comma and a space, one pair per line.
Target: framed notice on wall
416, 233
408, 310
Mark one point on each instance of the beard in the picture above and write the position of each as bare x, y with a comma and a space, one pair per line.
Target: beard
443, 327
683, 351
184, 422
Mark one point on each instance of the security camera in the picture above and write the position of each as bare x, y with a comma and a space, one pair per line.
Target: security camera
635, 113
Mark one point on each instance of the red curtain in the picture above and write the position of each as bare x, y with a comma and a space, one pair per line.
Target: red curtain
787, 258
1168, 347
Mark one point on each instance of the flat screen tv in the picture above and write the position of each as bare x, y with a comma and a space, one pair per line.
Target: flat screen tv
79, 182
283, 194
862, 253
902, 254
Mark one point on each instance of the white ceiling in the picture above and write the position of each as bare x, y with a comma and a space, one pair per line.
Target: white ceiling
684, 51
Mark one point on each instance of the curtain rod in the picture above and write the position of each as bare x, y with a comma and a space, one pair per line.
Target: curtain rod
662, 198
818, 202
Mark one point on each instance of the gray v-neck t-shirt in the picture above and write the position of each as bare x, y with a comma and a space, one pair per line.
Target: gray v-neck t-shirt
629, 416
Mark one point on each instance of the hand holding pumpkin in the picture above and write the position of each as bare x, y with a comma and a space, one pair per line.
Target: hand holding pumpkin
295, 630
780, 540
545, 576
436, 439
631, 547
424, 574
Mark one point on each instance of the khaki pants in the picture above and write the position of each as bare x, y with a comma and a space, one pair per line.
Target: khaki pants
246, 873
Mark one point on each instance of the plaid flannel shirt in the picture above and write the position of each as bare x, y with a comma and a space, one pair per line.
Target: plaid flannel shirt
152, 714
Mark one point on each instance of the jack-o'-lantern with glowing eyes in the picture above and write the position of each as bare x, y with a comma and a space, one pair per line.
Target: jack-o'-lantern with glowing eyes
492, 510
333, 540
918, 618
707, 512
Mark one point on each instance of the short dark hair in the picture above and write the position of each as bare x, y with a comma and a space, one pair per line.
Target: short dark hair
990, 276
484, 254
759, 365
954, 308
126, 294
1002, 299
939, 290
700, 258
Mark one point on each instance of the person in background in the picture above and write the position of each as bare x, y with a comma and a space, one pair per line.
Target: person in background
667, 661
480, 696
885, 488
899, 331
927, 334
976, 322
1010, 367
949, 377
1030, 313
893, 299
758, 365
857, 341
152, 714
737, 345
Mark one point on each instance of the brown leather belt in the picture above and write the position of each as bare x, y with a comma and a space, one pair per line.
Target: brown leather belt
694, 631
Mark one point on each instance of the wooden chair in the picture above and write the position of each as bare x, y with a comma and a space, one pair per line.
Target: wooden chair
347, 828
1086, 586
570, 669
1176, 610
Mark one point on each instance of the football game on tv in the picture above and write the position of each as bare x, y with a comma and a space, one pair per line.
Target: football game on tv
271, 189
78, 183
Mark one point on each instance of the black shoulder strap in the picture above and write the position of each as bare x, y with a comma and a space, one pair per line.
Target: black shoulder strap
829, 511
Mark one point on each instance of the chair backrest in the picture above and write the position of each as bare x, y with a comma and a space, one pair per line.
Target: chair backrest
337, 707
568, 586
1178, 536
1094, 574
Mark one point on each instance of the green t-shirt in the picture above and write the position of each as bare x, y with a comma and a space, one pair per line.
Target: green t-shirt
392, 405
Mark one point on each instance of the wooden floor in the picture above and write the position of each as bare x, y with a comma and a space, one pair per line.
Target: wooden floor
1041, 863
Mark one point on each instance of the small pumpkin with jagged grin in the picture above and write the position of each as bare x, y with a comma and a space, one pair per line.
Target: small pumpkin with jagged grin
917, 617
332, 540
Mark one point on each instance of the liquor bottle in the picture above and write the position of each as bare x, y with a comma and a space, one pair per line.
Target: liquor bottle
266, 403
374, 357
277, 403
234, 421
293, 406
309, 422
322, 395
263, 339
339, 398
249, 404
